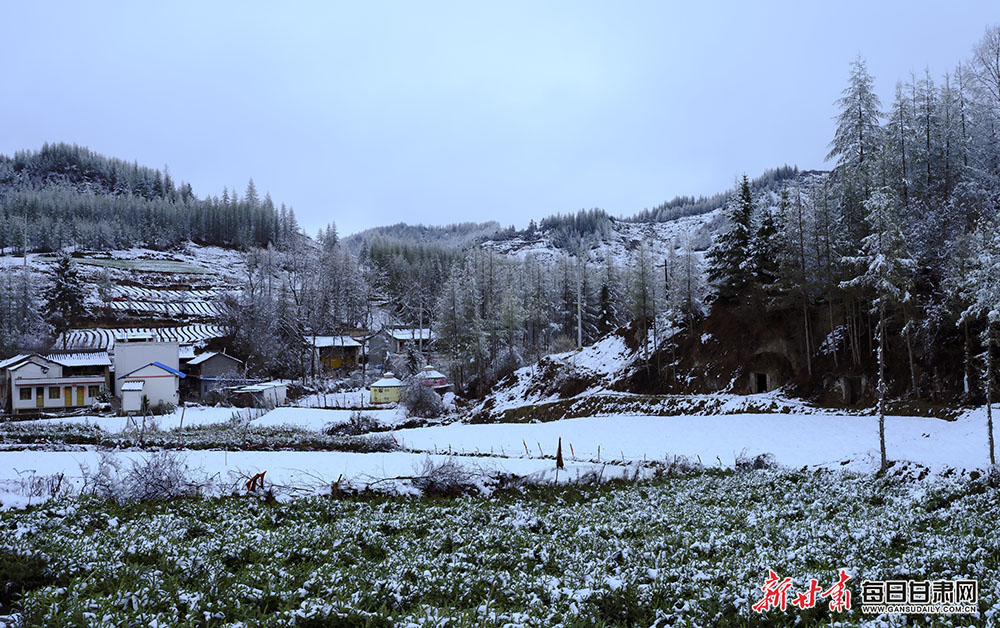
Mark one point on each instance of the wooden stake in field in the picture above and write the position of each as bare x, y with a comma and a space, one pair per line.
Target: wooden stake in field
559, 458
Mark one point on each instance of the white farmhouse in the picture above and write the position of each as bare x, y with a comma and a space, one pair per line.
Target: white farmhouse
136, 350
40, 384
156, 383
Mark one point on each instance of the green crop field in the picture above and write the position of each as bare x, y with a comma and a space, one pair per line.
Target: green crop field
685, 549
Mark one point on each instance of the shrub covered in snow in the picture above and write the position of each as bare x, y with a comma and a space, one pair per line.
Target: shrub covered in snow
444, 479
157, 476
421, 401
358, 424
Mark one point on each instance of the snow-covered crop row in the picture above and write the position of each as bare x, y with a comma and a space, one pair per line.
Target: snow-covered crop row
175, 308
148, 294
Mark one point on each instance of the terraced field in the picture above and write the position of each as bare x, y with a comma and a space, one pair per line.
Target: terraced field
105, 338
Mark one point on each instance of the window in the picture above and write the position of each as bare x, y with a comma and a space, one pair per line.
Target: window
53, 392
25, 394
93, 391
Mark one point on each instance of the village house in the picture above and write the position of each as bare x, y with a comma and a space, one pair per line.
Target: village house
334, 352
204, 372
150, 386
433, 379
395, 341
136, 350
36, 383
388, 389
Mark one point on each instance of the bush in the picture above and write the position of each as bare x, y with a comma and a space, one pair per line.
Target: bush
159, 476
444, 479
421, 401
756, 463
357, 425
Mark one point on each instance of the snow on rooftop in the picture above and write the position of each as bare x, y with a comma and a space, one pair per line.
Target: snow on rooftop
85, 358
13, 360
387, 381
132, 385
332, 341
261, 387
159, 365
412, 334
430, 373
208, 355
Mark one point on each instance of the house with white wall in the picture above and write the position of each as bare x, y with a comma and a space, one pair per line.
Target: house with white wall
154, 384
136, 350
38, 383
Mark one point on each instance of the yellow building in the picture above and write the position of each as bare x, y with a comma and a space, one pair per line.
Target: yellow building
335, 352
386, 390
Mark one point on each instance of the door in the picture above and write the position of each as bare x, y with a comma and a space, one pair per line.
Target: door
40, 397
79, 395
68, 396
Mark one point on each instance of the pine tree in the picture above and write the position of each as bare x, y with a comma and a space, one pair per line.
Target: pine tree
980, 287
765, 252
856, 141
64, 299
729, 266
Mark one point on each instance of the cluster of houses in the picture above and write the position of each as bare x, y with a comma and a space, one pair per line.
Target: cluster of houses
144, 371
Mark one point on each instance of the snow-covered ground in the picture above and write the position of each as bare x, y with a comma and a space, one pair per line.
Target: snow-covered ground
290, 473
621, 243
825, 440
820, 439
306, 418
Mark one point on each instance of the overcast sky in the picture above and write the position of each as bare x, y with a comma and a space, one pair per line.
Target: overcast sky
369, 113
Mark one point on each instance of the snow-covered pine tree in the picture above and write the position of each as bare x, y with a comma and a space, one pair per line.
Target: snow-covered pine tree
765, 251
729, 266
64, 299
981, 291
856, 142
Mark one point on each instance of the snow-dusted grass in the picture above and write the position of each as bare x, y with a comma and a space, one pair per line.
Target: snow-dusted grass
689, 550
147, 265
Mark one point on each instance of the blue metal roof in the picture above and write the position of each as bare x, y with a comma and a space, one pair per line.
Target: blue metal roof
169, 370
158, 365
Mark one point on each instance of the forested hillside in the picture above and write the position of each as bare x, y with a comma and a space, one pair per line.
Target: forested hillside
883, 272
68, 196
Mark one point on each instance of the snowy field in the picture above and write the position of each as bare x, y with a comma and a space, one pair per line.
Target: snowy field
305, 418
609, 446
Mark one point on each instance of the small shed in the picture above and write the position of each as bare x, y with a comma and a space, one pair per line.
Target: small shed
433, 379
132, 396
388, 389
264, 394
161, 383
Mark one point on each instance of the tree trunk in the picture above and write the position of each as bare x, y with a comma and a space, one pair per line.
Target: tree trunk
913, 368
805, 320
989, 392
881, 385
968, 361
833, 335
